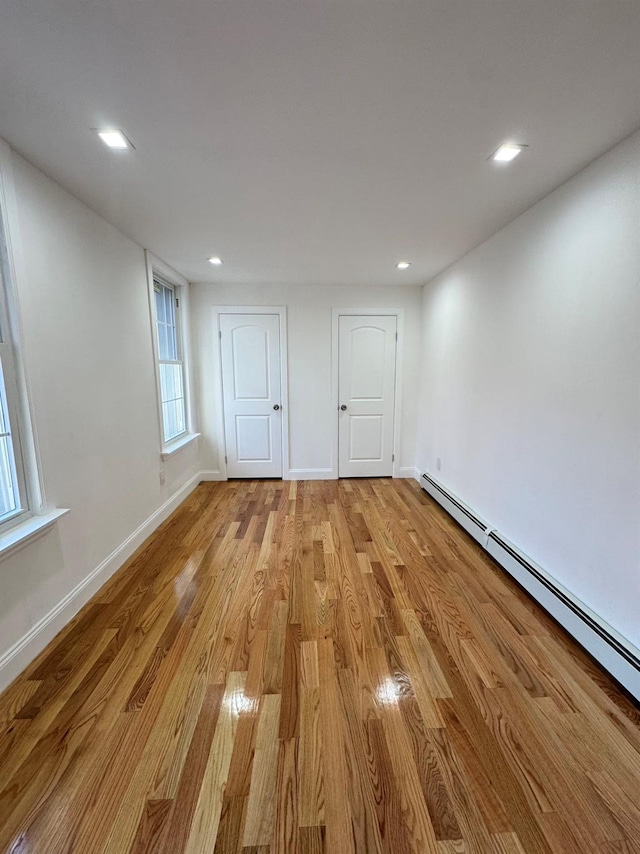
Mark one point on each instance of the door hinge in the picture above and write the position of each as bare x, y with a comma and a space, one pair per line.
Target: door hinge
220, 334
177, 303
393, 458
225, 458
396, 336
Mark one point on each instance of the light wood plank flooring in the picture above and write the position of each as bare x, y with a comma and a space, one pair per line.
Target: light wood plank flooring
316, 666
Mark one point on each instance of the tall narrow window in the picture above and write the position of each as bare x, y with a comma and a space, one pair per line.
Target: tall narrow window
13, 492
170, 361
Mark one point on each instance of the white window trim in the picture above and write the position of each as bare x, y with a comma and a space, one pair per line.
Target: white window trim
39, 516
11, 417
156, 267
162, 285
20, 535
178, 444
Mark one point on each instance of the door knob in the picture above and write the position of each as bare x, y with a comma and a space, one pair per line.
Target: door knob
343, 407
276, 406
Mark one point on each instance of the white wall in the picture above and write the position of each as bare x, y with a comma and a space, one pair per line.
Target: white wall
312, 413
87, 344
530, 391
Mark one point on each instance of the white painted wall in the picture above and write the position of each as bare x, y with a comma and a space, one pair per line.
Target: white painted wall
530, 391
312, 411
87, 344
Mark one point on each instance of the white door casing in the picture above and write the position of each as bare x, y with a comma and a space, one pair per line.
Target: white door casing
251, 385
366, 390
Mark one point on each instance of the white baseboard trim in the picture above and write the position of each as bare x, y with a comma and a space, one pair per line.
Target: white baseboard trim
211, 475
310, 474
22, 653
409, 472
614, 652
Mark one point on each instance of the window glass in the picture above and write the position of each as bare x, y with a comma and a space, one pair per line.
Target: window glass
170, 363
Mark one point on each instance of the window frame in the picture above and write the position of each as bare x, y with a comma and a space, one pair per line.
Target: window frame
33, 514
9, 398
157, 270
175, 297
9, 403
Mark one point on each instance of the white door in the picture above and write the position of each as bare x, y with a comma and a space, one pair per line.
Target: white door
250, 349
366, 383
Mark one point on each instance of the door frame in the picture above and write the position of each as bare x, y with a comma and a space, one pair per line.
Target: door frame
218, 394
336, 313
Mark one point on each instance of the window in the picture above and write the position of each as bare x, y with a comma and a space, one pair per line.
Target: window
170, 361
24, 513
13, 499
14, 506
169, 311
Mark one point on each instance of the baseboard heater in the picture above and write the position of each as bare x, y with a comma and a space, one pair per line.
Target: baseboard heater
615, 653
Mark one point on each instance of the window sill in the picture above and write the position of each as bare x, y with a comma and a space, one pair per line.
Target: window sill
26, 532
178, 445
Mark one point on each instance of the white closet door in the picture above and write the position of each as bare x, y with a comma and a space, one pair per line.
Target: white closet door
366, 370
250, 348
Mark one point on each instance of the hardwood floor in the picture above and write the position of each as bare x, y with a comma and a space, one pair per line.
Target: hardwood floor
315, 666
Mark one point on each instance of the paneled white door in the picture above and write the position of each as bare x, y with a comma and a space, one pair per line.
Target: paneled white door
250, 351
366, 387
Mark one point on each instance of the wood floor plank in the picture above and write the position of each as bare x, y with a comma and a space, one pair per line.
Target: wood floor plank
230, 829
366, 830
261, 804
206, 817
439, 805
184, 803
315, 666
310, 765
311, 840
337, 809
151, 827
286, 823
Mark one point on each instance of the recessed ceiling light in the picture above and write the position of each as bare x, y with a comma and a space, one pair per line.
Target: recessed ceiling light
402, 265
215, 261
507, 152
114, 139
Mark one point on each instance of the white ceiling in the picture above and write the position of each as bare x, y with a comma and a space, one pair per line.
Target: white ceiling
316, 141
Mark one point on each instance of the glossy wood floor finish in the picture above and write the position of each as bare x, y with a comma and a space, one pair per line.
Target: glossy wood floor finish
315, 666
